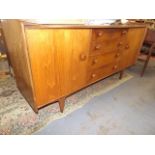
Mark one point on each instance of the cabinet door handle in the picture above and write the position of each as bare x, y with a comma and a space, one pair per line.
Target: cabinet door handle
93, 75
83, 56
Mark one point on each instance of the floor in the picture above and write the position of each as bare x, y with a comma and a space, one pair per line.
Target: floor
17, 117
127, 109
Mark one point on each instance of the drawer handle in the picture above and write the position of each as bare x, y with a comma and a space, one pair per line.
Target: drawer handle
127, 46
93, 75
83, 57
97, 47
117, 55
120, 44
100, 34
95, 61
115, 67
124, 32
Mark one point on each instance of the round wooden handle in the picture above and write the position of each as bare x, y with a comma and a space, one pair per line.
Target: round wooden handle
124, 32
127, 46
83, 57
115, 67
95, 61
120, 44
98, 46
100, 34
118, 54
93, 75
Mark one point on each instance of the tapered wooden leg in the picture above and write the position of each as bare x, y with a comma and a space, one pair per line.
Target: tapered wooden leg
145, 65
121, 74
36, 111
62, 104
148, 58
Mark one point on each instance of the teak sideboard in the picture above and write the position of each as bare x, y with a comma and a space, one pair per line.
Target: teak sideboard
51, 62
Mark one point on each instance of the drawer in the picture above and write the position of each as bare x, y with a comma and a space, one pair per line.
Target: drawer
105, 47
102, 72
106, 35
103, 60
107, 40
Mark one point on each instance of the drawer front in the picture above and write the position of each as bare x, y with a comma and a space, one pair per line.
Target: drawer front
103, 60
102, 72
102, 35
107, 40
104, 47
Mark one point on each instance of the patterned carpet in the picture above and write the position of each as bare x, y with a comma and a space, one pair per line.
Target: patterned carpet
17, 117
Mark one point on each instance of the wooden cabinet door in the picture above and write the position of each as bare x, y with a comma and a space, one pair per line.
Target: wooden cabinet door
72, 47
44, 65
132, 46
58, 60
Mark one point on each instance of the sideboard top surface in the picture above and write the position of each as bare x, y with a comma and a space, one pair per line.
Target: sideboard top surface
28, 24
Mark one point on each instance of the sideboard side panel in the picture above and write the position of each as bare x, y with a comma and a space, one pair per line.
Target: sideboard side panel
15, 41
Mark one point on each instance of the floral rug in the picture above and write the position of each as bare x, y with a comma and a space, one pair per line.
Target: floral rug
17, 117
